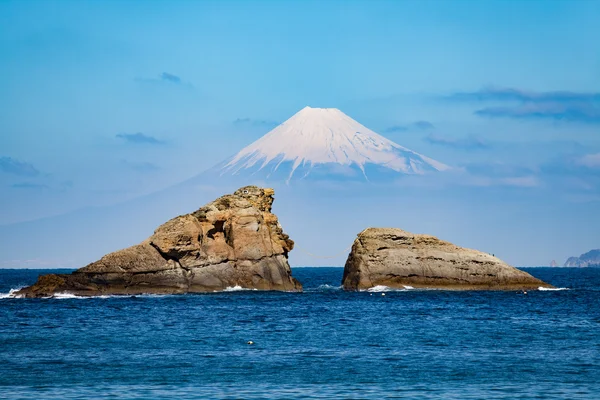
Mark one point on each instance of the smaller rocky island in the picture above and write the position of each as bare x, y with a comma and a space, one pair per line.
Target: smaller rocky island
234, 241
589, 259
399, 259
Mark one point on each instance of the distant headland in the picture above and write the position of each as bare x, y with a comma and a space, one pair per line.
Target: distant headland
589, 259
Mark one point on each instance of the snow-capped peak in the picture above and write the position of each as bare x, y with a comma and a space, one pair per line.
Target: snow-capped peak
316, 136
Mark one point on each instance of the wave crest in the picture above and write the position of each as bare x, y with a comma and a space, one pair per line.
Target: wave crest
236, 288
383, 288
12, 294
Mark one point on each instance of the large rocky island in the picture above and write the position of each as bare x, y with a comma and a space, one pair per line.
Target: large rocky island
233, 241
589, 259
396, 258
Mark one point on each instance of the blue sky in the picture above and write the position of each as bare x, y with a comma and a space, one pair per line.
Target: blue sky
102, 102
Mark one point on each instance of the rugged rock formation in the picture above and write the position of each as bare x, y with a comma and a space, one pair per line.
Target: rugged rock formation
233, 241
396, 258
589, 259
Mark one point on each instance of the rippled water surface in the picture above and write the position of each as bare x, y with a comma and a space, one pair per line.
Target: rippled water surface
322, 343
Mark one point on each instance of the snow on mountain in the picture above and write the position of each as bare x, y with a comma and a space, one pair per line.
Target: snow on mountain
314, 138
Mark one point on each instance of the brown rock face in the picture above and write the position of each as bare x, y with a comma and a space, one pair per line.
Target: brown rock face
396, 258
233, 241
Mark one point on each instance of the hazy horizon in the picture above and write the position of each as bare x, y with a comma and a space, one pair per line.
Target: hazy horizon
106, 104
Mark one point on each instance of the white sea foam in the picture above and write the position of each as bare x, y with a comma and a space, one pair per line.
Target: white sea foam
383, 288
545, 289
236, 288
326, 288
12, 294
65, 295
379, 288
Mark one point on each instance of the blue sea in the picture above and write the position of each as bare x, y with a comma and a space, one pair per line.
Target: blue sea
323, 343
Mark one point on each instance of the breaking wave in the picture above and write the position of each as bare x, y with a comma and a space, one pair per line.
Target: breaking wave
236, 288
12, 294
65, 295
379, 288
382, 288
324, 288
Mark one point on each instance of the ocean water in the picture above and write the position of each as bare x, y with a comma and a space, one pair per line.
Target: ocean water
323, 343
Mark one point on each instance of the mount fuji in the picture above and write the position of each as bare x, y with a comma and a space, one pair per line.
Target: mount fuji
325, 142
317, 148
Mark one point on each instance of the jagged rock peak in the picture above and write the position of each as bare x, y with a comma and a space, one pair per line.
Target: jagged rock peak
234, 241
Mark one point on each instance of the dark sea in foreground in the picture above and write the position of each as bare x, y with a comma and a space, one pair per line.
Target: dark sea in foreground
323, 343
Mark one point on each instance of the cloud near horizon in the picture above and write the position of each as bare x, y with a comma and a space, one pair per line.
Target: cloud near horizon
467, 143
139, 138
417, 125
556, 105
498, 169
12, 166
501, 174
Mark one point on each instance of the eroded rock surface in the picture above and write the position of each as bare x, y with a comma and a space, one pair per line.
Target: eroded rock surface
233, 241
396, 258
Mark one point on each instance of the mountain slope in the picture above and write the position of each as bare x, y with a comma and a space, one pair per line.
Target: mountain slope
316, 146
325, 139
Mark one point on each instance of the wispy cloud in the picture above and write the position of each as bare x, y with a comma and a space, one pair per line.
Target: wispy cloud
255, 122
10, 165
166, 79
574, 164
498, 170
144, 167
416, 126
165, 76
500, 174
520, 181
467, 143
29, 185
556, 105
565, 112
493, 93
590, 160
139, 138
574, 173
